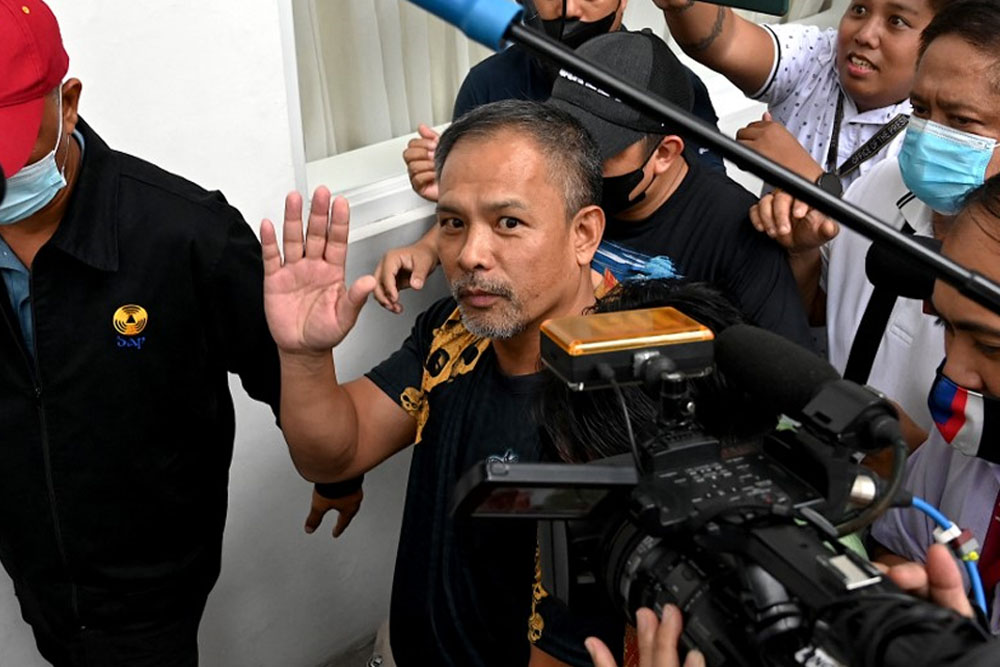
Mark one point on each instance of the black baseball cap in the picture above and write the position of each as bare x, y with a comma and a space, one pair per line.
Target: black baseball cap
641, 58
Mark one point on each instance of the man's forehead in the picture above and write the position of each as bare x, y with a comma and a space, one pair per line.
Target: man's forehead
453, 202
940, 55
904, 6
506, 162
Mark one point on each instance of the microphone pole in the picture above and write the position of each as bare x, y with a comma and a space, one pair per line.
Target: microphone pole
492, 22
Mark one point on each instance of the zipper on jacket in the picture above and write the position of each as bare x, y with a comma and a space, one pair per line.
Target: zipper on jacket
36, 377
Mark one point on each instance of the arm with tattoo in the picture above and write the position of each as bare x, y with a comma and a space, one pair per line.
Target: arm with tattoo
716, 37
691, 48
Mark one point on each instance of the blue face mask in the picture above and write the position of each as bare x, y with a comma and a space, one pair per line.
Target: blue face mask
942, 165
31, 189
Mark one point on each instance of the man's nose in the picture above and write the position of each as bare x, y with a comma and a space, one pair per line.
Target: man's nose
574, 9
477, 251
962, 364
869, 34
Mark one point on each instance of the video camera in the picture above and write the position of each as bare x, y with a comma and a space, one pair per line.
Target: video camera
741, 535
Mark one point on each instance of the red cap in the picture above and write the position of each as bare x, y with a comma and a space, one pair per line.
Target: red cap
33, 63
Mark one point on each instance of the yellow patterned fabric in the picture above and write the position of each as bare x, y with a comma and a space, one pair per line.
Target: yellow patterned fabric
454, 352
536, 624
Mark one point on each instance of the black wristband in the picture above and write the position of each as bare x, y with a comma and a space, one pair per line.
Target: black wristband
334, 490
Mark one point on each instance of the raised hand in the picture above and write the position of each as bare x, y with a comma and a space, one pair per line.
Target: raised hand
419, 158
308, 305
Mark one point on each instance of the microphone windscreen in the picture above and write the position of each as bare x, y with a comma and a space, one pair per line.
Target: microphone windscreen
888, 269
776, 372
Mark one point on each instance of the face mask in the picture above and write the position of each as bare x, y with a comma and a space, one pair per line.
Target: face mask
574, 32
35, 186
616, 190
968, 421
941, 165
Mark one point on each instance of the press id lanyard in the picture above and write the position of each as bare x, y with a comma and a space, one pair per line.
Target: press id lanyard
869, 149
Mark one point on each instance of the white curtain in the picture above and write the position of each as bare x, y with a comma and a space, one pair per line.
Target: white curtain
371, 70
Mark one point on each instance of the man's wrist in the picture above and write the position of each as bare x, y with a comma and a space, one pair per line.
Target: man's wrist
804, 256
305, 361
335, 490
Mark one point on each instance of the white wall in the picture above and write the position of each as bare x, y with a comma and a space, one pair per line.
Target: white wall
199, 88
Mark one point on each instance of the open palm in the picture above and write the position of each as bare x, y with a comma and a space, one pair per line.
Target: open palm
308, 305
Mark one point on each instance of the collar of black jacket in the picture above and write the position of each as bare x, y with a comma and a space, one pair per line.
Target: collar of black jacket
89, 229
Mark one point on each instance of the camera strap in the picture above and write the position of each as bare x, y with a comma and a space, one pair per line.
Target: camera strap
868, 337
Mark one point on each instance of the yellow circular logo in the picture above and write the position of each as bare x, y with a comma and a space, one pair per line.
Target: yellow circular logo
130, 320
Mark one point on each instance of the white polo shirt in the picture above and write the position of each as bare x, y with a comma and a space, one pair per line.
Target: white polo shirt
912, 346
801, 92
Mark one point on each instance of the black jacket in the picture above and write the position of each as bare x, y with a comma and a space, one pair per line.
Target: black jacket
115, 447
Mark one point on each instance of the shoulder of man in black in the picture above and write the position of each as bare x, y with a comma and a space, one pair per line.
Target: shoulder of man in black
133, 207
760, 278
711, 213
402, 369
511, 74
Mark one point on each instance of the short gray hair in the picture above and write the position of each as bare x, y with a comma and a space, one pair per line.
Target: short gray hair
564, 142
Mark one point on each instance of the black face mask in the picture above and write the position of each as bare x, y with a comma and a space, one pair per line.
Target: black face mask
617, 189
574, 32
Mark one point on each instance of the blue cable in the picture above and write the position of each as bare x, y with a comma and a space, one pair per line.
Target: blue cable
933, 513
977, 585
946, 524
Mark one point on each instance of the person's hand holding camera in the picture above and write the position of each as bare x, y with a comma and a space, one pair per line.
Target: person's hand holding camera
657, 639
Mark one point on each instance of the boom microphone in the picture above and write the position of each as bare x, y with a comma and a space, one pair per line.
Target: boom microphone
770, 368
888, 269
796, 382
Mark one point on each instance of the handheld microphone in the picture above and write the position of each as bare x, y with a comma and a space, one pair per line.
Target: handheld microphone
3, 184
888, 269
796, 382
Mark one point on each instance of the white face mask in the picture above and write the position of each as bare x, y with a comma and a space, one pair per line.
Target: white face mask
35, 186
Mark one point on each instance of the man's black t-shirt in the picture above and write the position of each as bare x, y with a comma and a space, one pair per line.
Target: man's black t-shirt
514, 74
461, 593
703, 232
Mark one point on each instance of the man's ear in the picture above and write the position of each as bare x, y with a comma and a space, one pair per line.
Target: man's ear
70, 104
587, 228
671, 149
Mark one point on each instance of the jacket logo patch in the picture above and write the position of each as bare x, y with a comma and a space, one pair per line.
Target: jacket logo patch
130, 320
